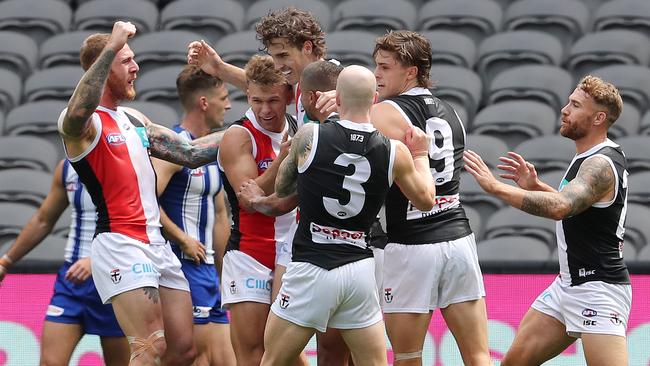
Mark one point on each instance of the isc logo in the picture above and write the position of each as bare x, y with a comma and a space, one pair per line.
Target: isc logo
115, 138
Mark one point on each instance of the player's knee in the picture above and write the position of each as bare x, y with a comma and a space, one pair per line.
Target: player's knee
183, 354
152, 347
49, 359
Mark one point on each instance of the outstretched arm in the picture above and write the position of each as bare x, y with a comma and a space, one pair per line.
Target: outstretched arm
167, 145
201, 54
39, 225
594, 182
88, 92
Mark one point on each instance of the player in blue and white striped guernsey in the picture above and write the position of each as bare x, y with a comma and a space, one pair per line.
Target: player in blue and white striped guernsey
75, 308
194, 216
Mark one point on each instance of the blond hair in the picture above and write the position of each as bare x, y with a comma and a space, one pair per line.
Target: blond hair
261, 70
604, 94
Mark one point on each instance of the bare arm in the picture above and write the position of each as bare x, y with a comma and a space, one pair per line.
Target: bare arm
221, 230
200, 53
522, 172
413, 176
41, 224
167, 145
593, 183
389, 121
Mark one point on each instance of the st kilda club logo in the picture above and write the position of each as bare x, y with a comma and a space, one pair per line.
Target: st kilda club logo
116, 277
388, 295
284, 300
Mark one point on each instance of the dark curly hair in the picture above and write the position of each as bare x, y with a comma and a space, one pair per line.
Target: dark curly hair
298, 26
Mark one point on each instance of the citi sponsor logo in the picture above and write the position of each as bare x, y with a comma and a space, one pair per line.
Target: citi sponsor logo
258, 284
143, 268
115, 139
198, 172
589, 313
264, 164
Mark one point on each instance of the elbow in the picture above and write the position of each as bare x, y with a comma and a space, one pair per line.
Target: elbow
426, 202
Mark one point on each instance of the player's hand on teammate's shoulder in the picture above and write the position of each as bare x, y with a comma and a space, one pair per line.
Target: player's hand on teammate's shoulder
417, 141
247, 193
120, 34
201, 54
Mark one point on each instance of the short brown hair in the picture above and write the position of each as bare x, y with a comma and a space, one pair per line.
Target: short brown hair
604, 94
410, 49
192, 80
91, 48
261, 70
298, 26
320, 76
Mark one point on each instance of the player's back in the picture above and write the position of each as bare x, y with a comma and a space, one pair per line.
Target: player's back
341, 187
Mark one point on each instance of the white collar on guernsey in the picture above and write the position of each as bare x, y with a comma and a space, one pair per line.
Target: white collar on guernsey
365, 127
595, 148
273, 135
418, 90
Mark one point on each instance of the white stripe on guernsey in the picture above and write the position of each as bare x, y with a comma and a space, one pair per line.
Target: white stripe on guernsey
88, 218
565, 275
250, 135
391, 161
611, 164
144, 173
364, 127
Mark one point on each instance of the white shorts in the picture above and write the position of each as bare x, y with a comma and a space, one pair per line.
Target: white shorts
421, 278
593, 307
378, 254
121, 263
243, 278
342, 298
282, 253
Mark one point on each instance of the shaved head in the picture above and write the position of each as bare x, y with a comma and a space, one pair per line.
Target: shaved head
356, 89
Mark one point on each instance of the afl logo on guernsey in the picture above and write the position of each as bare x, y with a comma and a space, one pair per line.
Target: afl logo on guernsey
115, 139
264, 164
198, 172
71, 186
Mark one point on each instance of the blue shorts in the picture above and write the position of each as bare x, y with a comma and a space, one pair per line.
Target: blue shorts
205, 292
80, 304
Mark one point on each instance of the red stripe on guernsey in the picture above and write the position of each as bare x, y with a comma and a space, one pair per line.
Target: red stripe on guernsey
258, 231
121, 191
296, 98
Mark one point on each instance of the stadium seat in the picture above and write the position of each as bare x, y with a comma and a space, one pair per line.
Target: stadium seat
10, 90
62, 49
645, 124
259, 9
38, 19
159, 85
475, 221
18, 53
351, 47
100, 15
490, 148
165, 48
37, 119
627, 124
459, 86
28, 186
451, 48
212, 19
510, 221
520, 251
565, 19
48, 256
549, 84
472, 195
57, 83
503, 51
476, 19
237, 111
644, 254
27, 152
237, 48
14, 217
157, 112
637, 230
548, 153
365, 15
553, 177
631, 15
515, 121
595, 50
629, 254
637, 153
632, 81
639, 188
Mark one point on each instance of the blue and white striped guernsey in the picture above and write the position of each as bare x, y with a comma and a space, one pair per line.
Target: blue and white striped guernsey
83, 215
188, 200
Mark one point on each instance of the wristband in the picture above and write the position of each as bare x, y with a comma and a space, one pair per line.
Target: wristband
420, 154
8, 259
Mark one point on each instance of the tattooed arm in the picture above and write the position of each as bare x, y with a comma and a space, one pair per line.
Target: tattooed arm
74, 126
167, 145
594, 182
285, 197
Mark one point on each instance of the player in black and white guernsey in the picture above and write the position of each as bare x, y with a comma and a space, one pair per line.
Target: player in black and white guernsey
340, 173
437, 246
591, 297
